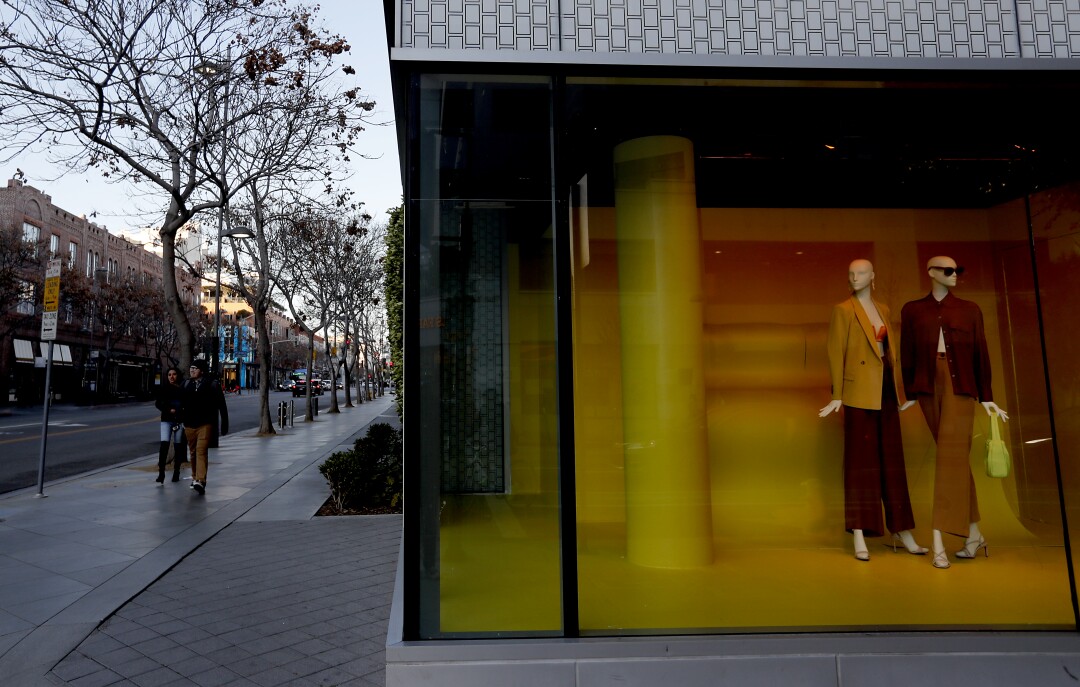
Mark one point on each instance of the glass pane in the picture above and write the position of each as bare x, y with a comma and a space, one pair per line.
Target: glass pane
1055, 218
707, 267
487, 417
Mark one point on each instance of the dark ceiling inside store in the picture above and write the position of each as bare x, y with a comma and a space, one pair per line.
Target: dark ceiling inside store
839, 145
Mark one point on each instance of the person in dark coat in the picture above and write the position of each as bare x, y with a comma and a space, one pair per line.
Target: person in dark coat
201, 403
168, 402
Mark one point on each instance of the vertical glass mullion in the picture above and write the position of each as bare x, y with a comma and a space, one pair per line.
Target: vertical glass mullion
564, 346
412, 519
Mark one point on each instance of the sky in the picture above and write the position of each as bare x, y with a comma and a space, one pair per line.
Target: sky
376, 180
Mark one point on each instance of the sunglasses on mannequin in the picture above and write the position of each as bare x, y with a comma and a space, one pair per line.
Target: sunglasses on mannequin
948, 271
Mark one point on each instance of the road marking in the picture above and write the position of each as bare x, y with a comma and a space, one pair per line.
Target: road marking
80, 431
55, 423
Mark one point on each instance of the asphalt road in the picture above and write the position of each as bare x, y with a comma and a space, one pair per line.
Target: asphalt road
83, 438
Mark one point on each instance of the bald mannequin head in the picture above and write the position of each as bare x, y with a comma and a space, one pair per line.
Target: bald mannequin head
943, 274
860, 275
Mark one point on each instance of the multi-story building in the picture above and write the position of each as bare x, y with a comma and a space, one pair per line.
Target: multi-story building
238, 349
627, 226
92, 359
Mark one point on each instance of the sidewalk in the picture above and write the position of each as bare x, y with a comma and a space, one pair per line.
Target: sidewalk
241, 587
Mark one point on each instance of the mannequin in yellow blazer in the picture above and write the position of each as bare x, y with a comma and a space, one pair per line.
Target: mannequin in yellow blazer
862, 358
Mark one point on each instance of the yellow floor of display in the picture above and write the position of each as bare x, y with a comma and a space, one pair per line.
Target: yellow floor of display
782, 560
489, 584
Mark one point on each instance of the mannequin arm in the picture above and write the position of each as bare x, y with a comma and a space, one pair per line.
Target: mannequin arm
907, 404
831, 408
992, 408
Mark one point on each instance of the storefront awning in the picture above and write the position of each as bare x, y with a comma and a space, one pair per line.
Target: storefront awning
24, 351
61, 353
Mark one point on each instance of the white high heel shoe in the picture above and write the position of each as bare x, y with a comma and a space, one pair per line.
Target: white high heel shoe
941, 560
897, 541
969, 552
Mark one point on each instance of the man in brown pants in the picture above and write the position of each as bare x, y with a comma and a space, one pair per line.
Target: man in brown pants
202, 401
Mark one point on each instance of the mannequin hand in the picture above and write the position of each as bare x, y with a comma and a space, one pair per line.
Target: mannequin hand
992, 408
907, 404
831, 408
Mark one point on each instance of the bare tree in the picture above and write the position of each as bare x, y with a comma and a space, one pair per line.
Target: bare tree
317, 248
22, 275
361, 289
150, 91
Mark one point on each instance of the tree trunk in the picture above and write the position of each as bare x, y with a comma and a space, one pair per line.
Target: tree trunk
344, 363
266, 421
308, 415
184, 335
333, 378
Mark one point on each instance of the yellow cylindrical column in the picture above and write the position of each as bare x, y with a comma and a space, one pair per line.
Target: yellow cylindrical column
668, 511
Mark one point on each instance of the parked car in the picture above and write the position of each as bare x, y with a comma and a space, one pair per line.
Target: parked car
300, 387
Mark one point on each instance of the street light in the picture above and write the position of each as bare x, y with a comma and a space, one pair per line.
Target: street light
211, 70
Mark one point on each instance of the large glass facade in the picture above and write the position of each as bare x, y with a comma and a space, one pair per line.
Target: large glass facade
710, 226
482, 218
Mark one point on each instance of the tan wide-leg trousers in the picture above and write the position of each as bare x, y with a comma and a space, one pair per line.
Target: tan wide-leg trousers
198, 439
950, 418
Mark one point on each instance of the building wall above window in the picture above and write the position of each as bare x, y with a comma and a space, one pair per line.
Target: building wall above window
991, 29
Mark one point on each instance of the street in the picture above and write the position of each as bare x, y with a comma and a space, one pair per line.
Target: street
83, 438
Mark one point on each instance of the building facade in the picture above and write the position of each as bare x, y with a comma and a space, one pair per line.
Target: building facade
239, 363
96, 356
628, 223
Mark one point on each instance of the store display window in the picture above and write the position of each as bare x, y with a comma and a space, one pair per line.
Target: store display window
759, 279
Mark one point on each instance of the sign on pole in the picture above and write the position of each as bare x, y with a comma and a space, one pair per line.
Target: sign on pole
51, 312
48, 333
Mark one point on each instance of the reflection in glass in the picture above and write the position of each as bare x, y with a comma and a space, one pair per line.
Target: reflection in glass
487, 409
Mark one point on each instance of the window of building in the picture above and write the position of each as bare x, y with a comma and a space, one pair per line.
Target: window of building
31, 234
27, 302
73, 254
693, 260
707, 266
487, 348
54, 245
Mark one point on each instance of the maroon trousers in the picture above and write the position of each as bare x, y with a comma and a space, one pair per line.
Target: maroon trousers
950, 418
874, 471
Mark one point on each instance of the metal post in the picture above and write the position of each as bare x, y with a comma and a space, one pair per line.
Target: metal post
216, 364
45, 422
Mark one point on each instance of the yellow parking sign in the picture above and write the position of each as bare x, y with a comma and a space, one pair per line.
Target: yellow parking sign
52, 301
52, 294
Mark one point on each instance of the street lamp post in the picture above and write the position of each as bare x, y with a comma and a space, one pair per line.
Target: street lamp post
211, 70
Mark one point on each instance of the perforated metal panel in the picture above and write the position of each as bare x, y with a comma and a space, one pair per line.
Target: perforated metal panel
835, 28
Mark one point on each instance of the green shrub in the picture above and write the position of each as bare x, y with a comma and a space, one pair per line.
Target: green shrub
369, 476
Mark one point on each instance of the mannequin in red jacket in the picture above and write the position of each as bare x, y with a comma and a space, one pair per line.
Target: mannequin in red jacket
946, 366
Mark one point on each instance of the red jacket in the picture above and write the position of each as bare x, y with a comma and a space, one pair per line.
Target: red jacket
965, 346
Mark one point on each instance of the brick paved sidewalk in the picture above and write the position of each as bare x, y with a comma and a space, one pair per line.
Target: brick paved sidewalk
293, 603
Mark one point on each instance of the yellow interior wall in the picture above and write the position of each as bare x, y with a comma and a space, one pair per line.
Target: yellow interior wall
782, 558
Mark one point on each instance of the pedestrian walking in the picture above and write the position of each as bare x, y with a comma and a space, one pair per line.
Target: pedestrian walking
169, 402
201, 403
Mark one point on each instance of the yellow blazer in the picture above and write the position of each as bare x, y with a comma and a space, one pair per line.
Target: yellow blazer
855, 368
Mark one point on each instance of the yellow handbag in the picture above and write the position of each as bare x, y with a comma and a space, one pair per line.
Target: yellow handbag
997, 454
